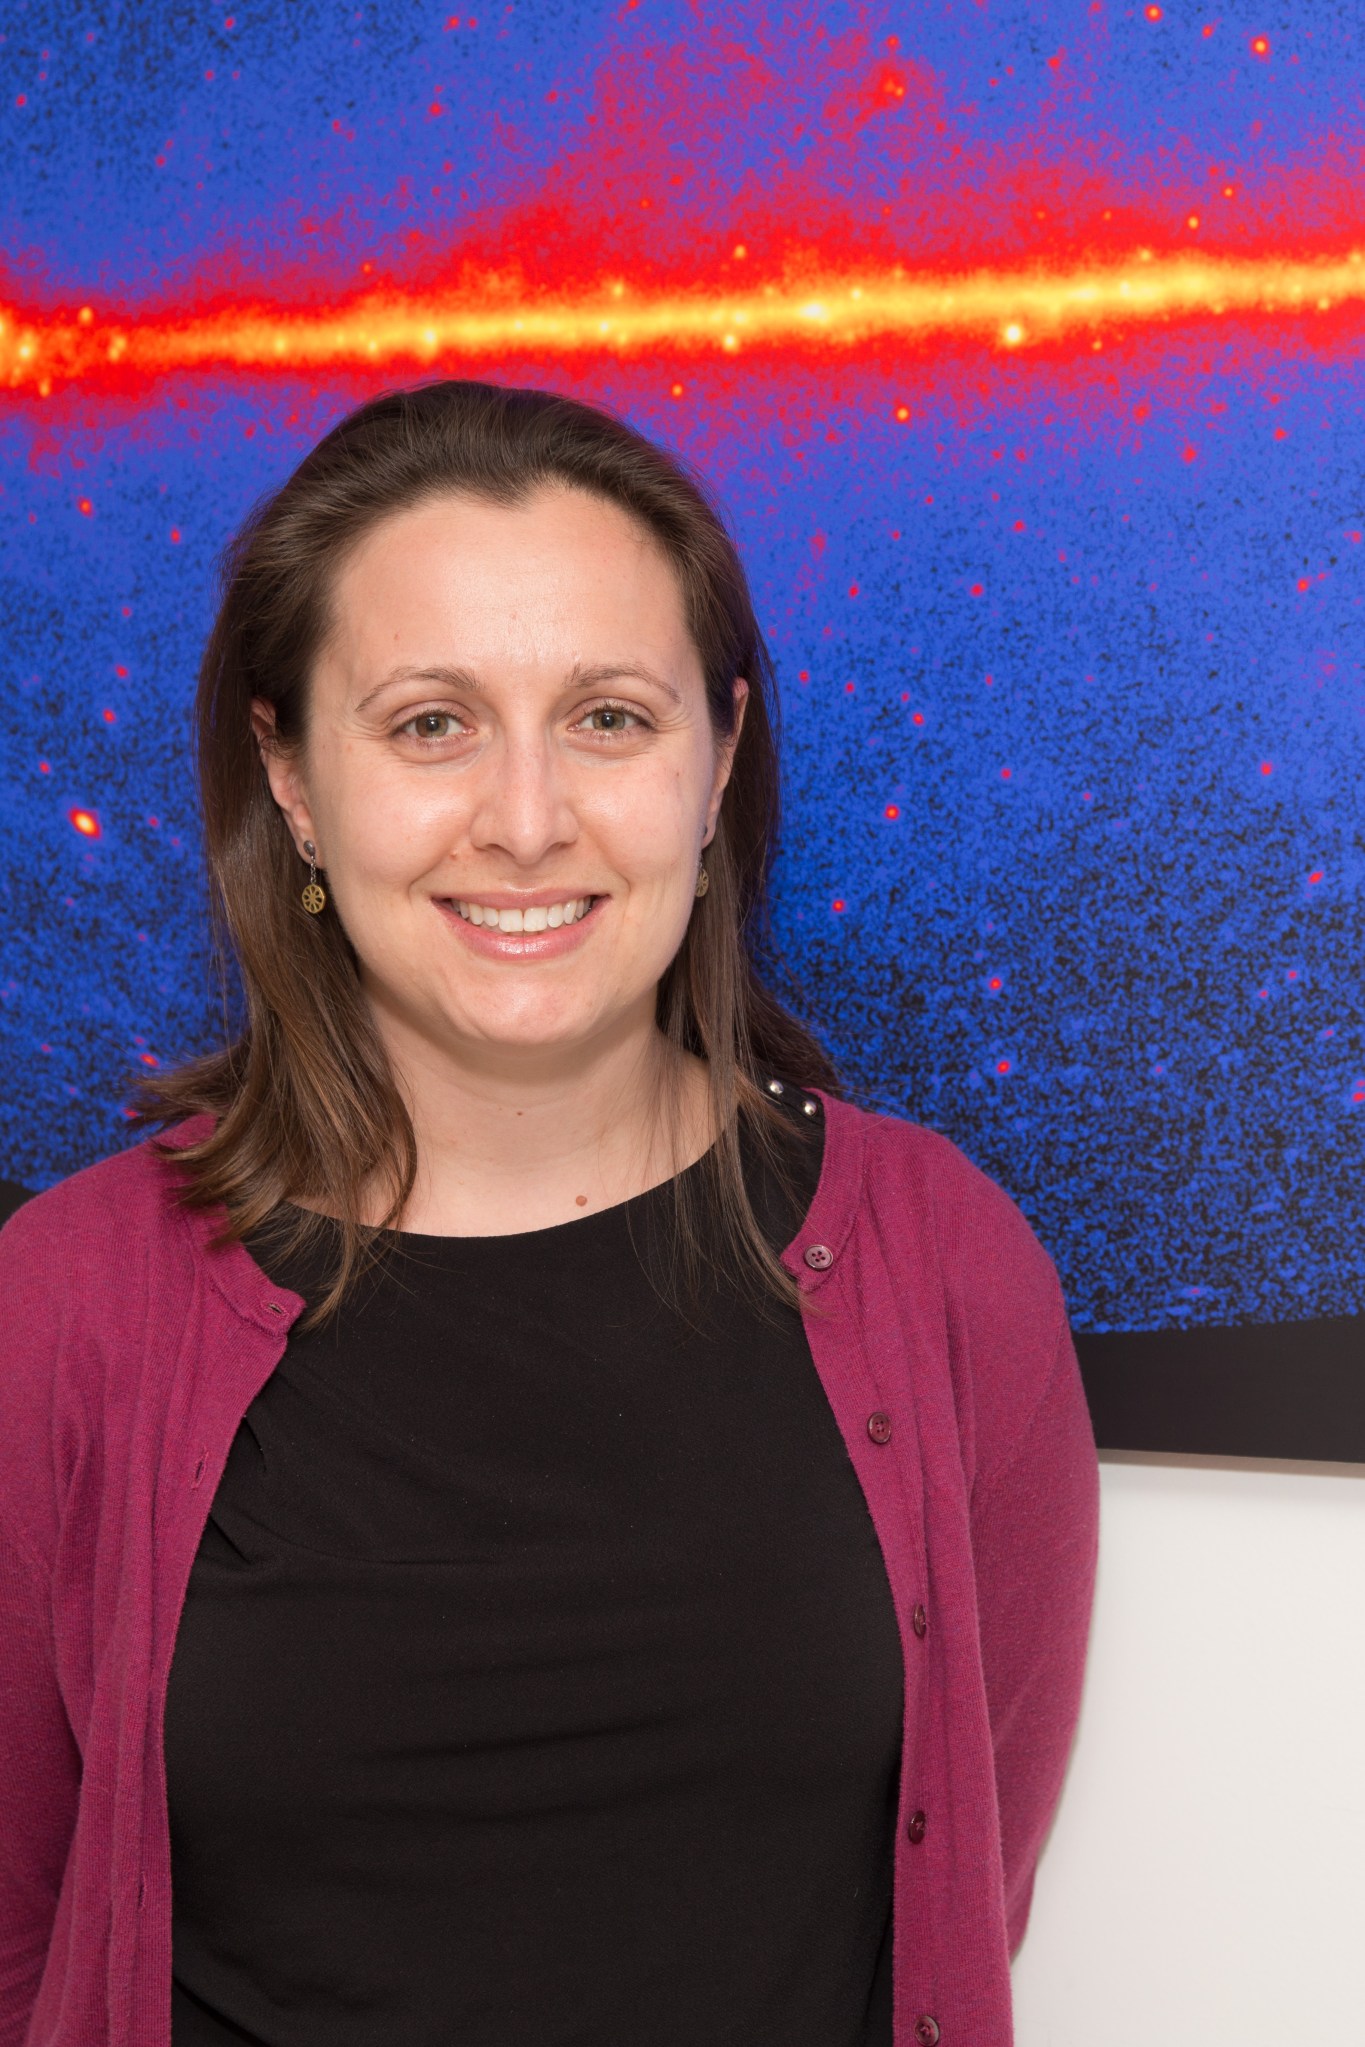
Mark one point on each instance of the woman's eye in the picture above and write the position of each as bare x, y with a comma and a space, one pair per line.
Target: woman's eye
431, 725
610, 718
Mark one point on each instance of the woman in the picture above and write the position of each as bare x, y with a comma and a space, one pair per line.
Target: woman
526, 1518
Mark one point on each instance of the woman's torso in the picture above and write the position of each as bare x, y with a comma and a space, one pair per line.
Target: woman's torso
538, 1679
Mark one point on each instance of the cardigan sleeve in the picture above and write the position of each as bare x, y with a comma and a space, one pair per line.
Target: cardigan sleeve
1035, 1519
40, 1765
39, 1787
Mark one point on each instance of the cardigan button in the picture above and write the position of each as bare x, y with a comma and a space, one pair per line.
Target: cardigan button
819, 1257
879, 1427
926, 2030
919, 1621
914, 1827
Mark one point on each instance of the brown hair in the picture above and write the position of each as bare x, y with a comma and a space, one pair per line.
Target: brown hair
307, 1108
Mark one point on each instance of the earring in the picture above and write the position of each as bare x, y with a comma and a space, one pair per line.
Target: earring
314, 895
703, 880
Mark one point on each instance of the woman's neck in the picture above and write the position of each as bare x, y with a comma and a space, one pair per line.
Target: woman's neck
513, 1146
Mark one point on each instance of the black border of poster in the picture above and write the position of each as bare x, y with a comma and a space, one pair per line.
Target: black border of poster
1281, 1389
1258, 1389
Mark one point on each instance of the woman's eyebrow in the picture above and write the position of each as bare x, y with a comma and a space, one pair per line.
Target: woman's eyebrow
444, 677
581, 676
599, 672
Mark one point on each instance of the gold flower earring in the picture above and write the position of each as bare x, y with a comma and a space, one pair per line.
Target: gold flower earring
703, 880
314, 894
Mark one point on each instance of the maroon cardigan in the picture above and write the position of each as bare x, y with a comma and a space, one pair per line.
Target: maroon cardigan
132, 1350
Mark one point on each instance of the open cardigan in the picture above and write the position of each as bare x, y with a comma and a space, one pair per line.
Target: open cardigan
133, 1347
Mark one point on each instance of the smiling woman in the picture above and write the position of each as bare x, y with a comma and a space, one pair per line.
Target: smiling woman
588, 1536
497, 654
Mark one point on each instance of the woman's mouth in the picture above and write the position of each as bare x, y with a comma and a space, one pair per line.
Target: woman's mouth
530, 931
538, 917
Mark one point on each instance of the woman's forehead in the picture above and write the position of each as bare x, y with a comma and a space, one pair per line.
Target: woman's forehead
559, 578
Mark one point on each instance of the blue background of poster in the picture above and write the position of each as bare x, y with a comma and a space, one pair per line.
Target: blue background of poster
1068, 637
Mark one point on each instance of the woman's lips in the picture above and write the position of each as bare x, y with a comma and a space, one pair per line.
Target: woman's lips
491, 942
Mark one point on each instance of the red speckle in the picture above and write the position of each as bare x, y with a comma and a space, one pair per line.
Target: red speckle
838, 903
917, 717
677, 390
1188, 452
85, 822
1141, 412
994, 982
1003, 1066
1291, 974
978, 590
853, 589
108, 717
893, 810
804, 675
1267, 767
1359, 1096
155, 823
149, 1059
902, 413
1019, 526
1153, 14
84, 505
1207, 30
175, 534
1260, 46
208, 77
1282, 433
1316, 875
1192, 220
44, 767
120, 670
21, 99
1354, 535
1006, 774
1303, 583
848, 689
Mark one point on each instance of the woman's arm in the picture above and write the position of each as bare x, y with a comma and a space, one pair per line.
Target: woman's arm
1035, 1521
39, 1785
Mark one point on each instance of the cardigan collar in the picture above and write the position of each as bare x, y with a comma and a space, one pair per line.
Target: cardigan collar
809, 1258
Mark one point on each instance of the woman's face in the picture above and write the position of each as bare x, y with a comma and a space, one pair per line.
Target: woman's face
509, 772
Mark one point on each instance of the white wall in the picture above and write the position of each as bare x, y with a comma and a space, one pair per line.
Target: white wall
1204, 1884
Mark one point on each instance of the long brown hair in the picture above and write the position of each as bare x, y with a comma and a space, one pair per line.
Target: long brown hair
307, 1109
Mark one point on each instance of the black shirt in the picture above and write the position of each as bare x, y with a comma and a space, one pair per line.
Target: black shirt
538, 1683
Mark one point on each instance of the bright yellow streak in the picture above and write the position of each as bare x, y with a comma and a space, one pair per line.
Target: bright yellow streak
1006, 310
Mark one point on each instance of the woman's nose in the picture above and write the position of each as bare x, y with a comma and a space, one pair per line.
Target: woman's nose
524, 807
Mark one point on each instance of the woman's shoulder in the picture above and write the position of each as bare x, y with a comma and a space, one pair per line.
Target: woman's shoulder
910, 1171
951, 1236
88, 1264
90, 1223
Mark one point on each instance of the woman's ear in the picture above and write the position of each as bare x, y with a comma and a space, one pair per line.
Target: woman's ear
725, 758
282, 773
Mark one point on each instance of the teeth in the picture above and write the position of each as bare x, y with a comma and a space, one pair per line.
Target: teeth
542, 917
